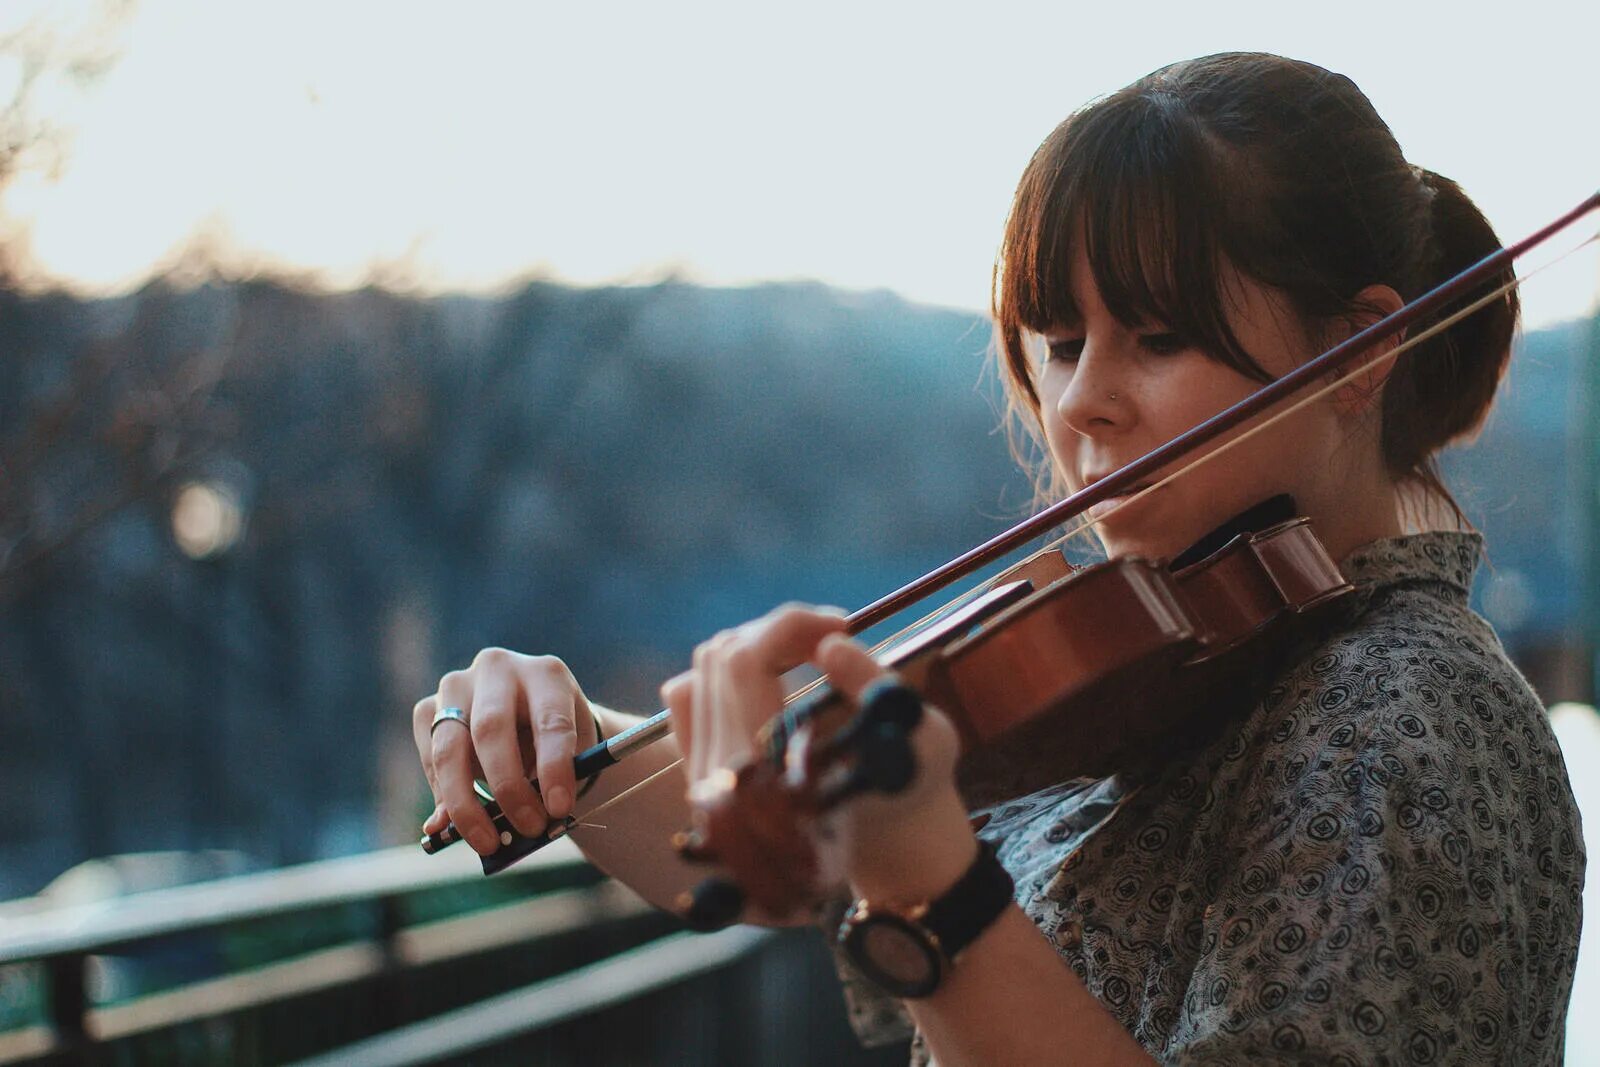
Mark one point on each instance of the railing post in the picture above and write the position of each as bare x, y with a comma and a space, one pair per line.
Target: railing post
69, 999
389, 989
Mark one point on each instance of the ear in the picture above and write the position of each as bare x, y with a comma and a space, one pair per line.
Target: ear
1359, 394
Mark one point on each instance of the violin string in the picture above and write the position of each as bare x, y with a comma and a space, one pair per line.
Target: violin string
1322, 391
581, 822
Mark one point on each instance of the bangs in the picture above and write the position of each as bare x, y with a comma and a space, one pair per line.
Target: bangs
1139, 187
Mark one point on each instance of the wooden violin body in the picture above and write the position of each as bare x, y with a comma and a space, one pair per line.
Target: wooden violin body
1054, 673
1121, 663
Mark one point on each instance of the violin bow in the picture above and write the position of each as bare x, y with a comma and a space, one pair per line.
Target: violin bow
1332, 363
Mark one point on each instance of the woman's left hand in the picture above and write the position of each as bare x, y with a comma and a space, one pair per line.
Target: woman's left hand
910, 843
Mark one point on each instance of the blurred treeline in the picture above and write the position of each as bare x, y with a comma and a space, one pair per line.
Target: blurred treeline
607, 474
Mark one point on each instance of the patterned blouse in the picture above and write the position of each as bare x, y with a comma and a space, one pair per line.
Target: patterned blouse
1380, 864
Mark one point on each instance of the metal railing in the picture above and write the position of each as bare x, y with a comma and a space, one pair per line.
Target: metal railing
395, 958
72, 944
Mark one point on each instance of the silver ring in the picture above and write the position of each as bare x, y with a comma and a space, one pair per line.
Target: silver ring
448, 715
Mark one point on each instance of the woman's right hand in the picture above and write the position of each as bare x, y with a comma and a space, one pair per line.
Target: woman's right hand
526, 717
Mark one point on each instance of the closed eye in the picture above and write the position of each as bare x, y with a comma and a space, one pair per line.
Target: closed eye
1164, 344
1066, 350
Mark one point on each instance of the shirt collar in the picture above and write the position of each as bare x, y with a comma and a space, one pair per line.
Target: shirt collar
1449, 558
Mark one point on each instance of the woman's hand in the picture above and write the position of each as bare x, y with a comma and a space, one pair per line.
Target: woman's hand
526, 717
736, 686
912, 844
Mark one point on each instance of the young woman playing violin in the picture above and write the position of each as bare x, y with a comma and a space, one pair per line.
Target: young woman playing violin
1378, 858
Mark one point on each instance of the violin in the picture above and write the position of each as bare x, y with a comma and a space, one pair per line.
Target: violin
1082, 660
1103, 648
1054, 673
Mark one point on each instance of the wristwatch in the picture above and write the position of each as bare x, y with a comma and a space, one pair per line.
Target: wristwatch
906, 950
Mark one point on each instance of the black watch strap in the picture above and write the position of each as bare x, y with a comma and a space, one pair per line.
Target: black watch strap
967, 908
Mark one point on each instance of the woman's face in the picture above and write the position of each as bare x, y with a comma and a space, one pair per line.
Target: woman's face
1110, 393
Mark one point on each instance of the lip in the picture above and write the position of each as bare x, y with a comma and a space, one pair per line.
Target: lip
1101, 475
1110, 503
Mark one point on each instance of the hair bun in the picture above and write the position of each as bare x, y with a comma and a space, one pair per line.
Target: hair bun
1443, 392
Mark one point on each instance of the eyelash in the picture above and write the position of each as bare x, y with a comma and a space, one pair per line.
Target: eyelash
1063, 351
1161, 344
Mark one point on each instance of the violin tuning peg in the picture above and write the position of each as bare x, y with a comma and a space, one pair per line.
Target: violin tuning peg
891, 702
885, 762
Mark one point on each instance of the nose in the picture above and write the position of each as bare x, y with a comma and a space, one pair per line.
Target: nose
1095, 401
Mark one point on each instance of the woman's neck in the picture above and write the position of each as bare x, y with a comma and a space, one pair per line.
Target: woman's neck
1345, 525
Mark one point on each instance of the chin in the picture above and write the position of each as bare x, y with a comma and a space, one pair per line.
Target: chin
1139, 532
1119, 544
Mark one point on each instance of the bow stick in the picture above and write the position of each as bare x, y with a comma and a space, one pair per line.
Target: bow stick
1333, 362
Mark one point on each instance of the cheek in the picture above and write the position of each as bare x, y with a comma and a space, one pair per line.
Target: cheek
1201, 387
1049, 387
1057, 435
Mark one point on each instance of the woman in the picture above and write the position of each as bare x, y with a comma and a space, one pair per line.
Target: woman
1379, 860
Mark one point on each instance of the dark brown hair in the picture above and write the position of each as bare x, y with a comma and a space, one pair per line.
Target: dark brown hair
1283, 171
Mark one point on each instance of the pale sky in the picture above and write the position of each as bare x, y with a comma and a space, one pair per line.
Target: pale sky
866, 145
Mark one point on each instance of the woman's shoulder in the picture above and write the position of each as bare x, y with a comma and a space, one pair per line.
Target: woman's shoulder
1411, 656
1398, 795
1414, 702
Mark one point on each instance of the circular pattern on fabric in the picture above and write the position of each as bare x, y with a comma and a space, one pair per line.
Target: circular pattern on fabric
1379, 863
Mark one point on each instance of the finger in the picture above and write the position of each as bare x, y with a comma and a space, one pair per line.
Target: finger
735, 694
436, 821
676, 694
421, 722
552, 708
703, 719
787, 636
748, 684
453, 768
495, 700
850, 668
675, 688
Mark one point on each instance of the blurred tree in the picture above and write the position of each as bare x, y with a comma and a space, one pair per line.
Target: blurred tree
42, 510
51, 47
608, 474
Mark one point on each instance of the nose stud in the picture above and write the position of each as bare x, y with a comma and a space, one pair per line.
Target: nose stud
1111, 396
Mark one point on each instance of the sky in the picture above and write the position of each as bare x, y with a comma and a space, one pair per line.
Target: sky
868, 145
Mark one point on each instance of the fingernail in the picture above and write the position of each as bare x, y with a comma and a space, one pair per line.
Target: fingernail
830, 641
557, 801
